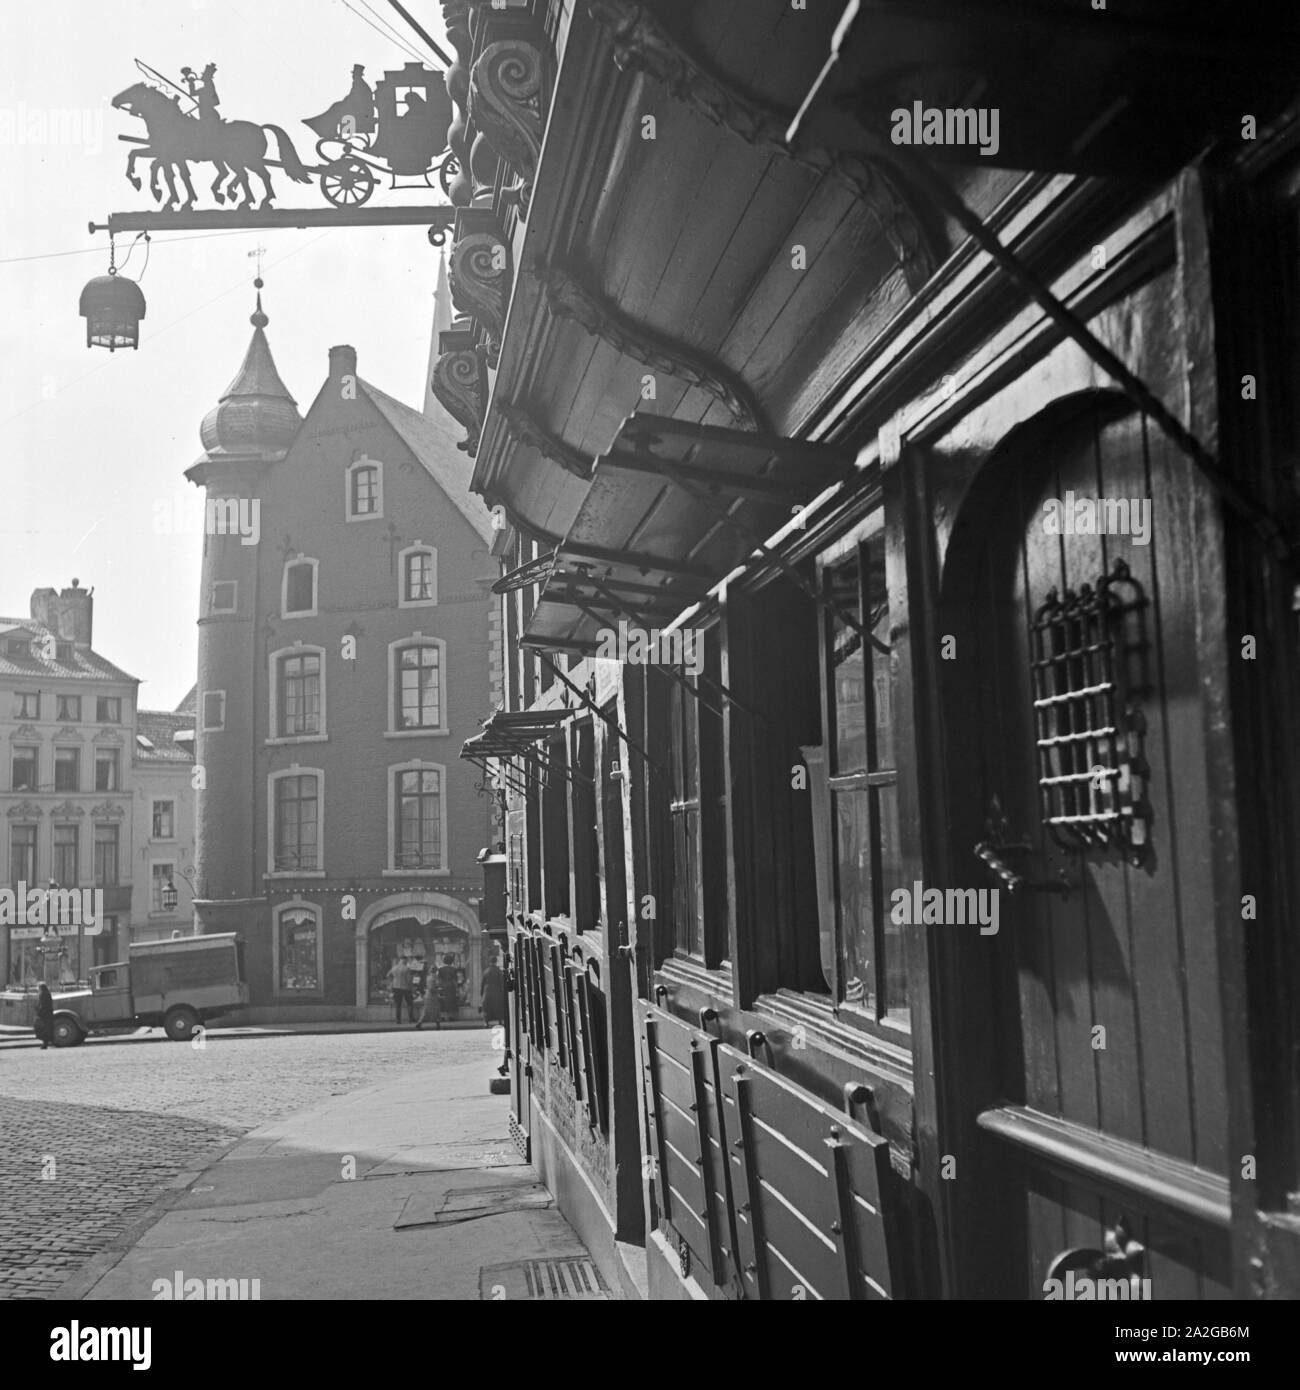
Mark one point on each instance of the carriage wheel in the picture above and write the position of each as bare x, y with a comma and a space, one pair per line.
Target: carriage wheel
347, 183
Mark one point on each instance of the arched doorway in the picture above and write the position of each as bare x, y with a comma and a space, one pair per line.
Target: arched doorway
424, 927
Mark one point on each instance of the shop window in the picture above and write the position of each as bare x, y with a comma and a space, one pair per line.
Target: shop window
862, 776
24, 770
106, 949
22, 854
555, 830
106, 856
67, 769
698, 812
297, 949
583, 837
107, 770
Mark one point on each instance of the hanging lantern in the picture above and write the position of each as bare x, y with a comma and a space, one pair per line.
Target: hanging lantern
112, 306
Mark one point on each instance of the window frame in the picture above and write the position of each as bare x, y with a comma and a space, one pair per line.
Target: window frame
395, 649
291, 563
154, 866
231, 584
22, 710
116, 830
15, 876
35, 750
111, 700
154, 803
75, 750
298, 649
72, 700
112, 757
272, 802
62, 879
402, 556
205, 727
349, 474
392, 870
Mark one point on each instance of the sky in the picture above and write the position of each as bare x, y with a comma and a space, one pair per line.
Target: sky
95, 444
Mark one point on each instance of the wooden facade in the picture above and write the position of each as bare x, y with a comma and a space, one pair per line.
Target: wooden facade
924, 928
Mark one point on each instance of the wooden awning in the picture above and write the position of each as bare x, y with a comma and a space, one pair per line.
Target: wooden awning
1135, 90
673, 507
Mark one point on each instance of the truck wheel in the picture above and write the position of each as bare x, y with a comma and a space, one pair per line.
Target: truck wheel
66, 1033
181, 1023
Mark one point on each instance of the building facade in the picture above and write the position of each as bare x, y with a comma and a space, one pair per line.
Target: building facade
66, 721
162, 788
928, 935
345, 649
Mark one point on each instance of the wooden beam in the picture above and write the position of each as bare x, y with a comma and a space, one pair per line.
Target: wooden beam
437, 217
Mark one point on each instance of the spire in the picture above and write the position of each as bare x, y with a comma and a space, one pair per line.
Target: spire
443, 314
256, 417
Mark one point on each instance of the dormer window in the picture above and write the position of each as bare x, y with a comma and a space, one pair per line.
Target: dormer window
298, 594
419, 576
63, 652
365, 490
19, 647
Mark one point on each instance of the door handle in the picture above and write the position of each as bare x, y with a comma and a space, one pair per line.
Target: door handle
1014, 882
1121, 1258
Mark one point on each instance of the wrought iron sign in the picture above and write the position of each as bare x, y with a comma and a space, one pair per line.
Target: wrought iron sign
1088, 727
397, 130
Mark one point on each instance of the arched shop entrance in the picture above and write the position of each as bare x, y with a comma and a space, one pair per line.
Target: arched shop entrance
426, 928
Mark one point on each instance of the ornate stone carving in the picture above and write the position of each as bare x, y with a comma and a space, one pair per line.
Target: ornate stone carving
65, 809
526, 430
508, 89
480, 272
456, 16
640, 43
25, 810
108, 810
109, 736
569, 298
27, 731
460, 382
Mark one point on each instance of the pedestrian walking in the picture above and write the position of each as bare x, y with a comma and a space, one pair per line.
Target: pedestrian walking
399, 981
432, 1010
492, 999
43, 1024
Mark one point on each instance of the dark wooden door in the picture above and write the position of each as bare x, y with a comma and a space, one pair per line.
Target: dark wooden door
1079, 721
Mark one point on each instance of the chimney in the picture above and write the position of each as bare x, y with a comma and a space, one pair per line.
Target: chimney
69, 615
343, 361
78, 616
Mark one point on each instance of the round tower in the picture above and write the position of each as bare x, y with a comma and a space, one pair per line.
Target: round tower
244, 435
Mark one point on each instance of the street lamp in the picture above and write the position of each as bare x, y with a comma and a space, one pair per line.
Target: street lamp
112, 306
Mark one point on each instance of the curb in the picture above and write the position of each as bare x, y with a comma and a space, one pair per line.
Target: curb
25, 1038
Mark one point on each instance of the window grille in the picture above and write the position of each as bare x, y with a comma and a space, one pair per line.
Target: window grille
1091, 770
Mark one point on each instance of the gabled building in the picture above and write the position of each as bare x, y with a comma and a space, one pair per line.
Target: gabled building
346, 647
66, 720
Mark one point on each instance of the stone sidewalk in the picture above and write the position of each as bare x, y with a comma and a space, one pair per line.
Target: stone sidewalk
408, 1189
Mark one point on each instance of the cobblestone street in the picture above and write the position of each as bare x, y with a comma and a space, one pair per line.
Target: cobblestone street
91, 1137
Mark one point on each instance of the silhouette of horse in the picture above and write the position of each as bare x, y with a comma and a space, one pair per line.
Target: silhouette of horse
235, 147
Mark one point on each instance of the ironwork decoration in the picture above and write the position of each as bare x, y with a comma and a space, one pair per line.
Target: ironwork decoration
398, 129
641, 43
568, 297
507, 89
1091, 768
480, 272
460, 382
536, 571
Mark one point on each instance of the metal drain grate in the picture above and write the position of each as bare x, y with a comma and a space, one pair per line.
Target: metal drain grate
536, 1280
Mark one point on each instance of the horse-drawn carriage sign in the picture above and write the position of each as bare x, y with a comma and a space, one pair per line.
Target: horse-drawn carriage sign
396, 130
